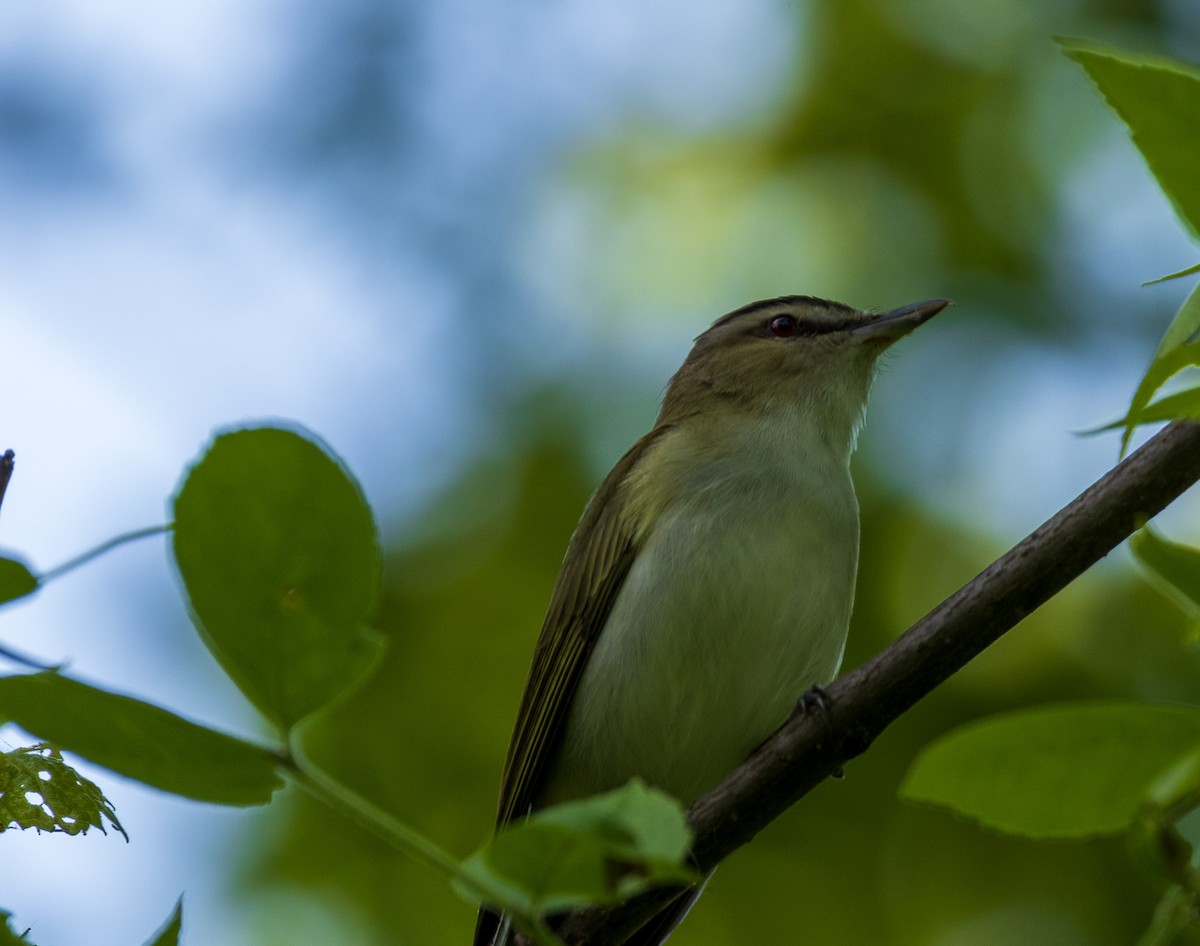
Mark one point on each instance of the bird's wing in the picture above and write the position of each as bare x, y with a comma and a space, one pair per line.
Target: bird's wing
597, 561
599, 557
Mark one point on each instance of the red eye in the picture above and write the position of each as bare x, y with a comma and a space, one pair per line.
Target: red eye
783, 326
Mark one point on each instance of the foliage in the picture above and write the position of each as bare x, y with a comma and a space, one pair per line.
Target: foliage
140, 741
599, 850
1067, 770
169, 934
16, 580
278, 555
39, 790
1154, 97
277, 550
1077, 770
7, 936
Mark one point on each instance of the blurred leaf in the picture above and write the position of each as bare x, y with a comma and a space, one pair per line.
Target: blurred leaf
1159, 100
1176, 789
8, 936
168, 933
16, 580
140, 741
277, 548
1177, 350
1179, 275
599, 850
68, 802
1068, 770
1174, 913
1177, 565
1161, 837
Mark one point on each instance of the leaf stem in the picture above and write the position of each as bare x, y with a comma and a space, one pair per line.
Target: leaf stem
1174, 914
366, 814
100, 549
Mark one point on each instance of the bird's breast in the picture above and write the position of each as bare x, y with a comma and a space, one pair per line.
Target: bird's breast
737, 603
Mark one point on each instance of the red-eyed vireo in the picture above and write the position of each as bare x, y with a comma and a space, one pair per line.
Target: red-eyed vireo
709, 583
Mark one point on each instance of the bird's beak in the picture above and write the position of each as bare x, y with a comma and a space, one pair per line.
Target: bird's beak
899, 322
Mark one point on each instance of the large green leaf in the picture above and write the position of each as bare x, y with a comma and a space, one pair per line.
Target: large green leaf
1068, 770
598, 850
277, 549
1159, 99
139, 740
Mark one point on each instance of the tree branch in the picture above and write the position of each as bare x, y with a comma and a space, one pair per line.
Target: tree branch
865, 701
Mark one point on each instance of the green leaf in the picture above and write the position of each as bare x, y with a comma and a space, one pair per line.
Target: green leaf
140, 741
62, 799
168, 933
8, 936
599, 850
1179, 275
1069, 770
16, 580
1178, 349
1159, 100
1183, 405
1177, 565
277, 549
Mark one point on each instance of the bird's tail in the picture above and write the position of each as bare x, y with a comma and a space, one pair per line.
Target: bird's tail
492, 929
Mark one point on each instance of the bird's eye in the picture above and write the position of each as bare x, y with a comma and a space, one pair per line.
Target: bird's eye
783, 326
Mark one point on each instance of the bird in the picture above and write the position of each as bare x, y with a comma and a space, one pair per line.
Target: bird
710, 580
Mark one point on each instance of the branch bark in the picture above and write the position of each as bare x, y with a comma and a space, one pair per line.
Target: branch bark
867, 700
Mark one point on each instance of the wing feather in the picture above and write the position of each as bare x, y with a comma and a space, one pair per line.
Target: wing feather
598, 558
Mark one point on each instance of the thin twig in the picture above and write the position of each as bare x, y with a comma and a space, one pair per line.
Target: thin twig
7, 462
863, 703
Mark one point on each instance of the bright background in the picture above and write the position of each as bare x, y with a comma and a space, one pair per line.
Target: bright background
467, 242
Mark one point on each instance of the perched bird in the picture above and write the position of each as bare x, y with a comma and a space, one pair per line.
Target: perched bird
708, 585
